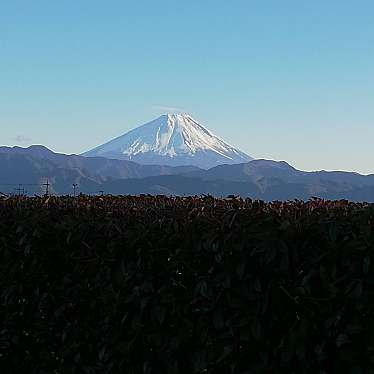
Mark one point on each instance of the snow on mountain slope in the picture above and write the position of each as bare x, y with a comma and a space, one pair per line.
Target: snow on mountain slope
172, 139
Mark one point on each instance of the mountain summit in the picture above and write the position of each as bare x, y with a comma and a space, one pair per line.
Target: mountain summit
172, 139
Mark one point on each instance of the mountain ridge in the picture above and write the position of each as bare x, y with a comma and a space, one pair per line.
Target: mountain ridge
33, 164
258, 179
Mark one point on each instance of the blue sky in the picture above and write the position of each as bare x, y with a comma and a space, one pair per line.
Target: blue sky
285, 80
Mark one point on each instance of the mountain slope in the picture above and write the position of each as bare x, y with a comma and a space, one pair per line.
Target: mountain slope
172, 139
30, 173
97, 167
33, 165
257, 170
181, 185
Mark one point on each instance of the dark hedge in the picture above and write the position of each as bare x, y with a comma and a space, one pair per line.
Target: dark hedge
185, 285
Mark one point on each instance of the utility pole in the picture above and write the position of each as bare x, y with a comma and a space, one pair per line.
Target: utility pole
46, 187
75, 185
19, 189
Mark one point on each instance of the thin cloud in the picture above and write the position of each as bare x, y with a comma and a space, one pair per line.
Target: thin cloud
22, 139
168, 109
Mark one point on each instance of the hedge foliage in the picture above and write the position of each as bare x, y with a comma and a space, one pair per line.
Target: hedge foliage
185, 285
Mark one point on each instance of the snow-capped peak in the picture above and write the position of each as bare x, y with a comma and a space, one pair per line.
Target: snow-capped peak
171, 139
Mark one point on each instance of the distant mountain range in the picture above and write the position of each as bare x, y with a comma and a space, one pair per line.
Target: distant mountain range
174, 140
258, 179
35, 164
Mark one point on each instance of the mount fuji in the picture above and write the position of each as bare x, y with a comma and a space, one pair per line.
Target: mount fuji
173, 140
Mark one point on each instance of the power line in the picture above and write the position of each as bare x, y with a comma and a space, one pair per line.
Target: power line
20, 190
22, 184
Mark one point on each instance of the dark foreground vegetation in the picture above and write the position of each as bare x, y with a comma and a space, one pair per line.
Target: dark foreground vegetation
185, 285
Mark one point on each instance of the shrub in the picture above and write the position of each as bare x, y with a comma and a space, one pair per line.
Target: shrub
185, 285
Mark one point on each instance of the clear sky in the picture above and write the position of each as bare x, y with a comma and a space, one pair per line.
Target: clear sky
280, 79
